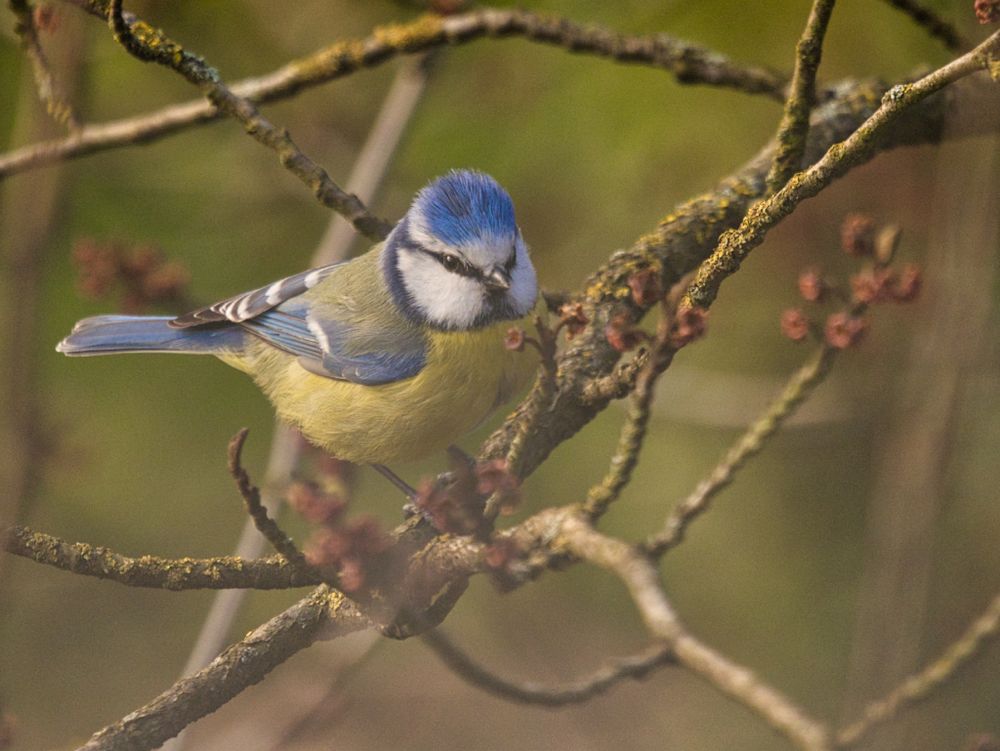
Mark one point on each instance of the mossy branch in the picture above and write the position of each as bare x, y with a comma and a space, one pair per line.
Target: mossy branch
323, 614
690, 63
794, 127
177, 574
735, 245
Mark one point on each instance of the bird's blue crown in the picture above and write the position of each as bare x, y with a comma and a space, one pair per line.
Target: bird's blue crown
465, 206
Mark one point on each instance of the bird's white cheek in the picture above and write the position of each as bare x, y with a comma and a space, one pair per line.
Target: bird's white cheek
446, 299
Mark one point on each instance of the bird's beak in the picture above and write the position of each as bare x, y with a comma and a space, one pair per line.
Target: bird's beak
497, 279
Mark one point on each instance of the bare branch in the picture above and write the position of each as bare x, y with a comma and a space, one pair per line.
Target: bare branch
920, 686
583, 689
149, 44
936, 26
735, 245
226, 572
794, 127
640, 577
691, 63
324, 614
799, 388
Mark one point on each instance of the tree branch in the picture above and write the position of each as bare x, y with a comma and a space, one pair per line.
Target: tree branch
146, 43
264, 523
920, 686
687, 235
794, 127
689, 62
48, 89
735, 245
574, 692
936, 26
225, 572
324, 614
800, 387
639, 576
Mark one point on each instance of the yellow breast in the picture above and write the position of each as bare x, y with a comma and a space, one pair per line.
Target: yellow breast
467, 375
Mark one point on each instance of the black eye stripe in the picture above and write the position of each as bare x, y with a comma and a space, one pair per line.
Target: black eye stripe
464, 268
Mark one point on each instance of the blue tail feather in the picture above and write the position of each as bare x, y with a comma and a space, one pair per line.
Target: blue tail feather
112, 334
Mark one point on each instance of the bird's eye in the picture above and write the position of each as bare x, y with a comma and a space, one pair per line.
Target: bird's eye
450, 262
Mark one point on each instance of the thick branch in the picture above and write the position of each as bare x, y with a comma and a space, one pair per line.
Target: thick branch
226, 572
689, 233
691, 64
324, 614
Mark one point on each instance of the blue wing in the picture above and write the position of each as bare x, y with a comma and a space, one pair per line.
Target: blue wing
334, 349
366, 342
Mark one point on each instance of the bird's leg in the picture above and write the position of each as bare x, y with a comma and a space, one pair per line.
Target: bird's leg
396, 480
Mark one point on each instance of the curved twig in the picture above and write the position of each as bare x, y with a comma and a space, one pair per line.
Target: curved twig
936, 26
636, 666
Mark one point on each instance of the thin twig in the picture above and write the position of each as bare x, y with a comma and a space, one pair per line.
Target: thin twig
251, 497
636, 666
735, 245
691, 63
49, 92
936, 26
633, 432
799, 388
146, 43
223, 572
920, 686
640, 577
794, 128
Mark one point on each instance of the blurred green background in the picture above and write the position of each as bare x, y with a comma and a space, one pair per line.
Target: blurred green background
594, 154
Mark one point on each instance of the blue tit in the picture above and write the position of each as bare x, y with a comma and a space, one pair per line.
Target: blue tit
383, 358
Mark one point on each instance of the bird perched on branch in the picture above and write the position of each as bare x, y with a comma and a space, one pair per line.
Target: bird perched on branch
386, 357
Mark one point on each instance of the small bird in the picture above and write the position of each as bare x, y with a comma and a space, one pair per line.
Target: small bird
383, 358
